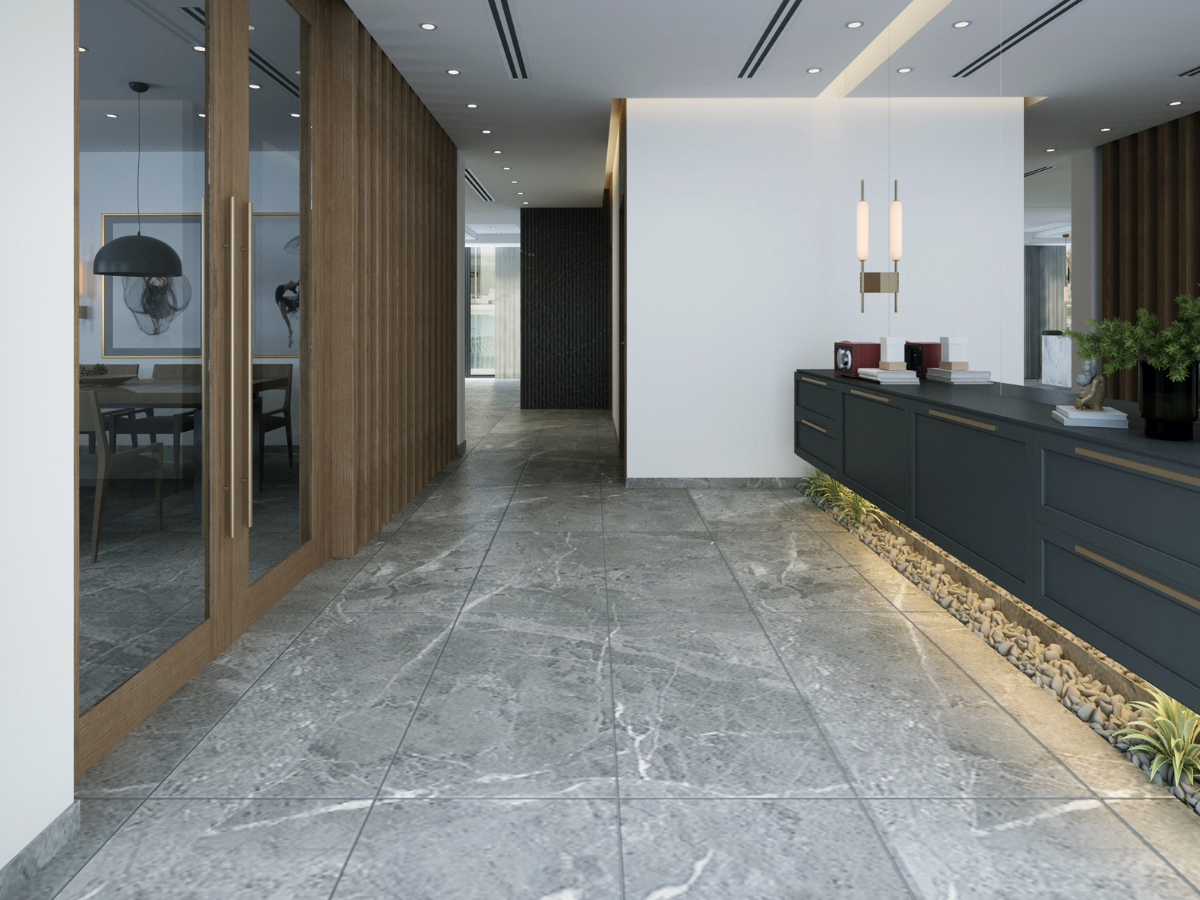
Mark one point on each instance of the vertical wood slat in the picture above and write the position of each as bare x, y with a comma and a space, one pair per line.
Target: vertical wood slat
1150, 241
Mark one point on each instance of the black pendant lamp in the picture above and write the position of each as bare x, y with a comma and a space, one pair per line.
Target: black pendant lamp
137, 255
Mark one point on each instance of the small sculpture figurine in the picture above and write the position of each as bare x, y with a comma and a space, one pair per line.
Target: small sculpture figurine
1092, 396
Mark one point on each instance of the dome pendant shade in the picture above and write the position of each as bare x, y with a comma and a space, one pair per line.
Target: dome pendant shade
138, 255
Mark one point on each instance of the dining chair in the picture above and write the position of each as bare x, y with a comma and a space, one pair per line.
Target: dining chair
281, 417
109, 415
132, 462
153, 425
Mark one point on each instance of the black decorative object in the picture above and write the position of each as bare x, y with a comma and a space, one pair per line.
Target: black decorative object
137, 255
156, 300
1169, 407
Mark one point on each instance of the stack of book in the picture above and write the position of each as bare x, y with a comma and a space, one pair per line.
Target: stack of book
959, 376
1102, 418
886, 376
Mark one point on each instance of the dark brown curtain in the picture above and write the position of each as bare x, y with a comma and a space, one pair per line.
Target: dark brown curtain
1150, 215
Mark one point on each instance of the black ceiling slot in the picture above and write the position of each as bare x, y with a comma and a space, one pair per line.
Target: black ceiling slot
507, 32
1190, 72
770, 35
1019, 35
264, 65
478, 185
1042, 169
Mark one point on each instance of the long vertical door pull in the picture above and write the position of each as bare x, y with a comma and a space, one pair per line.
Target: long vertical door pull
250, 365
232, 363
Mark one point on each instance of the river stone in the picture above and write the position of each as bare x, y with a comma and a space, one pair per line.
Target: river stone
1085, 711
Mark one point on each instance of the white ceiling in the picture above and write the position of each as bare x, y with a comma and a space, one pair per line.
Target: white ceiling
1103, 63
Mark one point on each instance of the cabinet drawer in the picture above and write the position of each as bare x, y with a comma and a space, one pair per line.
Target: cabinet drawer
816, 437
817, 394
1157, 621
876, 449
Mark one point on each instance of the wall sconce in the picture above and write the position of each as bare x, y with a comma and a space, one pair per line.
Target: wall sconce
879, 282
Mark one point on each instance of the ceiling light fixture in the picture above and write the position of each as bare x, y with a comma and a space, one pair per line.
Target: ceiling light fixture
879, 282
813, 71
962, 24
83, 49
198, 48
111, 115
506, 168
297, 71
295, 115
524, 202
905, 70
201, 115
428, 26
137, 255
1050, 150
854, 24
485, 131
453, 72
512, 182
1175, 103
251, 27
520, 193
255, 87
1106, 129
496, 152
472, 106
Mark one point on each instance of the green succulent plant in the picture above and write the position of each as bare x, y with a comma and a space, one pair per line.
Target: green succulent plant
860, 509
1172, 735
1124, 344
818, 486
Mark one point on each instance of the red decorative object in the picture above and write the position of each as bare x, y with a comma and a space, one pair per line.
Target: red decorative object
922, 357
850, 356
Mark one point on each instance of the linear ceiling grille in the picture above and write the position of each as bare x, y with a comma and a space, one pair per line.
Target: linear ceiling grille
1190, 72
507, 32
1042, 169
1064, 6
260, 62
478, 185
766, 41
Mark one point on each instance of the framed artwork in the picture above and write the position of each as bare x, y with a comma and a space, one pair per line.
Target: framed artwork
155, 317
277, 298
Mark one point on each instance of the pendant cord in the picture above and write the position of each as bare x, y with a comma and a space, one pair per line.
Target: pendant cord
139, 166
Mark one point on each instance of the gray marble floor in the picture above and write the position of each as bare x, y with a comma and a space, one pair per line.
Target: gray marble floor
538, 684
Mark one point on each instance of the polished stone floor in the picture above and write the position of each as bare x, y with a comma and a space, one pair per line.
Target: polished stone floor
537, 684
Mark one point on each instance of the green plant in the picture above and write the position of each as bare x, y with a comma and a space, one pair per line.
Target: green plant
1124, 344
858, 508
1172, 735
819, 487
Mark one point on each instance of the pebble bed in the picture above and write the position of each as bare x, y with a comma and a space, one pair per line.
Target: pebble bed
1094, 702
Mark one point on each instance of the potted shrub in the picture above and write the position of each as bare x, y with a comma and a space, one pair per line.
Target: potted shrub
1166, 359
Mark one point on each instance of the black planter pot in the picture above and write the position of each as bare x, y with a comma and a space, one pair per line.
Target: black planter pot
1169, 407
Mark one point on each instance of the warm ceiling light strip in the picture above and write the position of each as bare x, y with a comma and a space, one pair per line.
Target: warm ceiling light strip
1063, 6
507, 32
770, 35
911, 20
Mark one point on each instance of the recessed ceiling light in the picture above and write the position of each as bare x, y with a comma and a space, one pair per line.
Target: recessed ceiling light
255, 87
520, 193
453, 72
905, 70
854, 24
813, 71
472, 106
524, 202
493, 229
297, 71
198, 48
512, 182
428, 26
111, 115
251, 27
962, 24
506, 168
1106, 129
485, 131
295, 115
496, 151
201, 115
83, 49
1175, 103
1050, 150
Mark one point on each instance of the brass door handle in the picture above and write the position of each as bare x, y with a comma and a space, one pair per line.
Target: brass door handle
1139, 467
960, 420
1138, 577
814, 427
814, 381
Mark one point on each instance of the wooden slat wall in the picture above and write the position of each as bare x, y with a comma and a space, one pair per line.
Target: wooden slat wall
1150, 226
385, 352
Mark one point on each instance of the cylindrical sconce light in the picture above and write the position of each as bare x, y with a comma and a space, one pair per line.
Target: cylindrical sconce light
863, 224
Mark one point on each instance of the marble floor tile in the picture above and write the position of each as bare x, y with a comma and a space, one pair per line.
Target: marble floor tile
811, 514
1170, 828
315, 725
554, 508
681, 572
461, 508
761, 849
535, 722
1068, 848
485, 466
583, 468
654, 509
419, 571
704, 708
98, 821
224, 850
757, 510
525, 570
486, 850
869, 674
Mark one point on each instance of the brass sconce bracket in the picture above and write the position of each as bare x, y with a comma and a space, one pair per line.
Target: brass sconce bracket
878, 283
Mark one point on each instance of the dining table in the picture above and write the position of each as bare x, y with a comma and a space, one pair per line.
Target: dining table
186, 393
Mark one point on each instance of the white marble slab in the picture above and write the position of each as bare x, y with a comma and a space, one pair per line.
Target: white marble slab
1056, 360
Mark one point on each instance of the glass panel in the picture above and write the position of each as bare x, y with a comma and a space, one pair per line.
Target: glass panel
276, 182
141, 397
482, 322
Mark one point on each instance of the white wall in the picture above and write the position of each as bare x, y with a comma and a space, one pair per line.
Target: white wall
742, 262
1085, 245
37, 307
461, 303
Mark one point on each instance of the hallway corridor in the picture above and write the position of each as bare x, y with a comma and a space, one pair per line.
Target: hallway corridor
538, 684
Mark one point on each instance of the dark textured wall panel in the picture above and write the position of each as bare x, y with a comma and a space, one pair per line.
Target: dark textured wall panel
566, 341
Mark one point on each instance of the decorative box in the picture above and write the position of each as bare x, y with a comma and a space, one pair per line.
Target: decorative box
850, 356
921, 356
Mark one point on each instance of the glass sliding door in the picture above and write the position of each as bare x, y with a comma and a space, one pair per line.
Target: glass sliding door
143, 400
278, 188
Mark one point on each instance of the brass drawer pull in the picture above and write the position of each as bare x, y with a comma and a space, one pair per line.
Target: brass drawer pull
1140, 467
814, 381
815, 427
961, 420
1139, 577
876, 397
